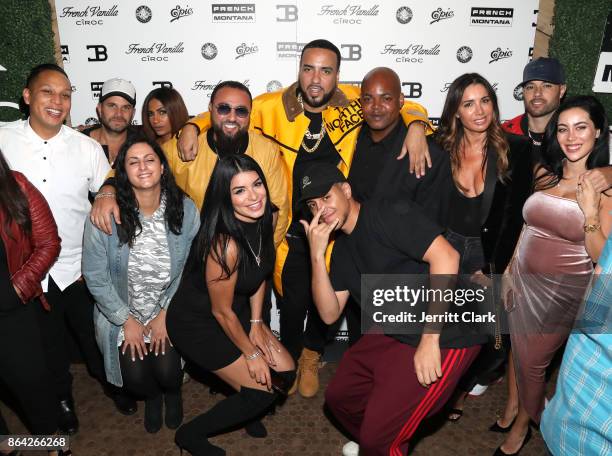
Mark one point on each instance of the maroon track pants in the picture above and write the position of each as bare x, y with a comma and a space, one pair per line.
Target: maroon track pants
376, 396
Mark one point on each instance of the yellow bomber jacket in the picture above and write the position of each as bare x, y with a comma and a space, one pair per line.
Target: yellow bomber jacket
193, 177
280, 117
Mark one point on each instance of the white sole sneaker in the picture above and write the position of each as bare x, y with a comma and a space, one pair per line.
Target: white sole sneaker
478, 390
350, 449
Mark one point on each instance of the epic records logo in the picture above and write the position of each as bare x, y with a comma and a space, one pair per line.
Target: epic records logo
178, 12
403, 15
491, 17
464, 54
65, 53
350, 14
209, 51
439, 15
96, 89
499, 54
233, 12
244, 49
518, 93
353, 52
143, 14
167, 84
288, 13
412, 89
288, 49
273, 86
100, 53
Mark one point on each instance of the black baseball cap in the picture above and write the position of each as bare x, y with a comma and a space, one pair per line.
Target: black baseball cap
317, 180
546, 69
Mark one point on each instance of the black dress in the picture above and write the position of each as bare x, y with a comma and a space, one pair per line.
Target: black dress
192, 327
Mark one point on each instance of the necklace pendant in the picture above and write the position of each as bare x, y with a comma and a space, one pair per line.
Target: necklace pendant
258, 261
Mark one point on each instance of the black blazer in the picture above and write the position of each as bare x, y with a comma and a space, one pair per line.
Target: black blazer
502, 209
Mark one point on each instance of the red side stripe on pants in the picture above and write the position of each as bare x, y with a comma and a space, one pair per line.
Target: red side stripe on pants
453, 358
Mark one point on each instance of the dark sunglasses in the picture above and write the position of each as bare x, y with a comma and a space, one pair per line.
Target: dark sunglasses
223, 109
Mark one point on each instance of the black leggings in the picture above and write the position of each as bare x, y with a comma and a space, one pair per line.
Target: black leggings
153, 375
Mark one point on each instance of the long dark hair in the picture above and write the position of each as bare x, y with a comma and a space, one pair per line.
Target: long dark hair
173, 103
130, 226
13, 202
218, 222
552, 155
451, 132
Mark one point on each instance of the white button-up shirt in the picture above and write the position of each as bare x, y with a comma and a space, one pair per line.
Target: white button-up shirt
64, 169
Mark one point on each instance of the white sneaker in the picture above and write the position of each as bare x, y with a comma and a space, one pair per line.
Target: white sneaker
478, 390
350, 449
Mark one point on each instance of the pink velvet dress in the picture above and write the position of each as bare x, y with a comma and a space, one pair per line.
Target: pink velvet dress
550, 274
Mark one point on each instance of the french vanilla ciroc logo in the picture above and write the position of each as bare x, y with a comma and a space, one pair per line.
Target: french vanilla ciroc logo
209, 51
89, 15
439, 15
207, 86
289, 49
412, 53
349, 14
178, 12
143, 14
403, 15
499, 54
155, 52
273, 86
244, 49
464, 54
491, 17
233, 12
447, 85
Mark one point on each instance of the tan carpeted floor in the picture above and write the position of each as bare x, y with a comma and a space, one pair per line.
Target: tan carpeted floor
299, 427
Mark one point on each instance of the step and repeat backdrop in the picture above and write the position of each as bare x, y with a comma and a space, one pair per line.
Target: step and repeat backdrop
192, 46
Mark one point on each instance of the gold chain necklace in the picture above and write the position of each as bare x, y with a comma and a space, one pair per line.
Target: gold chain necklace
308, 135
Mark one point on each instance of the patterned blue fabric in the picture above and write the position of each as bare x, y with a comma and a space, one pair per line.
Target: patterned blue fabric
578, 420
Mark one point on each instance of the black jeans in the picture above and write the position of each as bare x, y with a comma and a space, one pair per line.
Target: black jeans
297, 302
24, 371
489, 365
71, 309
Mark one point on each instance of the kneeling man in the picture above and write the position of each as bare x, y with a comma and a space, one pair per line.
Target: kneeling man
385, 384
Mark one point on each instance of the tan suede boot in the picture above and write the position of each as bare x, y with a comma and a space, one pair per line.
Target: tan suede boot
308, 384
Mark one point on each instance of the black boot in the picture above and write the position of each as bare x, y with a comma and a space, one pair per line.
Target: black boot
236, 409
153, 414
174, 409
68, 422
256, 429
125, 404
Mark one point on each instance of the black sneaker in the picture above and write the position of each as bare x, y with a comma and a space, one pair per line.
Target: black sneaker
68, 422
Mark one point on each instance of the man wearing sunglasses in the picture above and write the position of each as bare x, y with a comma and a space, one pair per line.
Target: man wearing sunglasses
313, 120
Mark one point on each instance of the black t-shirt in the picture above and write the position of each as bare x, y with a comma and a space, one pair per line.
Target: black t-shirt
390, 237
370, 159
536, 139
324, 153
133, 131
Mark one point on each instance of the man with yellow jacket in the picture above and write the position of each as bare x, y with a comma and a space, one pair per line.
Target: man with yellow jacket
312, 120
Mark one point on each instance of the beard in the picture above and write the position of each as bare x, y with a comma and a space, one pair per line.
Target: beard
229, 145
120, 129
314, 103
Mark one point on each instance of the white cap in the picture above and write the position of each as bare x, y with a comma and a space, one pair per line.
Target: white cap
119, 87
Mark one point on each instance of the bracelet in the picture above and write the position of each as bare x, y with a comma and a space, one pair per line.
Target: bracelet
256, 321
591, 227
252, 356
104, 195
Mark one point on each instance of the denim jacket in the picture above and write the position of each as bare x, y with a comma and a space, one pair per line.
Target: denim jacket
105, 264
